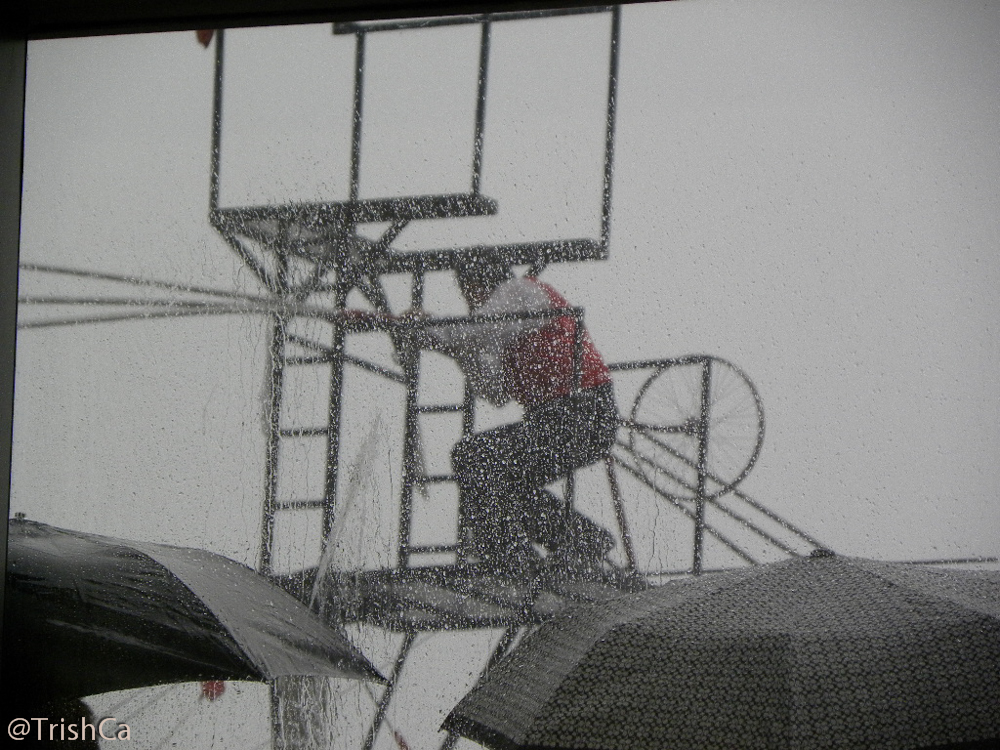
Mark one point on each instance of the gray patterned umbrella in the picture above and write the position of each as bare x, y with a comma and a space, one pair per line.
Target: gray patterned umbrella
824, 652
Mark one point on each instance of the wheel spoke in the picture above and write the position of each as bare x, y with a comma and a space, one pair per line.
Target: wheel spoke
667, 418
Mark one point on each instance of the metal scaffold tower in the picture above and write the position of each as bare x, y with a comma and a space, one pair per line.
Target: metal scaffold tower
336, 278
693, 433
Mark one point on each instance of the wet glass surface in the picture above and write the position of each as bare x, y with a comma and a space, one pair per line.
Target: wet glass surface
777, 230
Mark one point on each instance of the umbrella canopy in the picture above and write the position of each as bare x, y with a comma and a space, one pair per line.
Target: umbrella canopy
86, 614
807, 653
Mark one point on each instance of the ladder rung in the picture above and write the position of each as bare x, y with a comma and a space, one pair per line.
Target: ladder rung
299, 504
304, 432
432, 549
321, 359
432, 478
444, 408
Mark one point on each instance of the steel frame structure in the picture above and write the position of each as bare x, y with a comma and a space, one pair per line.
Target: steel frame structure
300, 250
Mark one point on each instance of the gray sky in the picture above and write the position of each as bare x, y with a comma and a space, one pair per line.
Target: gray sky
810, 191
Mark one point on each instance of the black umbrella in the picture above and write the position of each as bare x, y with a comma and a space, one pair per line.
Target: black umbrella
86, 614
823, 652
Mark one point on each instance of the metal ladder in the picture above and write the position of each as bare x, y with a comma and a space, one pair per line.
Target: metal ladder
415, 475
291, 350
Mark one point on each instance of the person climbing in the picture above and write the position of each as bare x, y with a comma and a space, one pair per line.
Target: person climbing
570, 419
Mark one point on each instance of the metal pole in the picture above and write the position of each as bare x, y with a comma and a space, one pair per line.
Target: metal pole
411, 455
616, 501
334, 408
609, 142
359, 95
276, 352
277, 369
674, 501
412, 463
213, 192
748, 523
578, 334
477, 148
699, 516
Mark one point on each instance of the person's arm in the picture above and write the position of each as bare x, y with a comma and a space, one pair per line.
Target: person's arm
515, 297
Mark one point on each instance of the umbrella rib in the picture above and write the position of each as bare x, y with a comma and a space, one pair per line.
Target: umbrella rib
174, 614
789, 653
234, 642
912, 587
949, 561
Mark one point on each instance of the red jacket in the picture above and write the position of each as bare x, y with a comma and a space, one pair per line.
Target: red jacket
540, 364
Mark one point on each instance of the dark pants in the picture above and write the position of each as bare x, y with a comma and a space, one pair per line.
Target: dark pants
502, 474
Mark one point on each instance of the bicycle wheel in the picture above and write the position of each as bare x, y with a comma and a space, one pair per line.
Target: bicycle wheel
697, 424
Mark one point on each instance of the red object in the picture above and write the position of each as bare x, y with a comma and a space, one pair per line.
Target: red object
212, 689
541, 365
400, 741
205, 36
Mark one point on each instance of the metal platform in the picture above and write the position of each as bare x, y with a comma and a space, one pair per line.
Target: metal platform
325, 233
326, 219
455, 597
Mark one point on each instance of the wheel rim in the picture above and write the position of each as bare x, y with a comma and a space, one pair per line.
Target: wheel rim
698, 425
